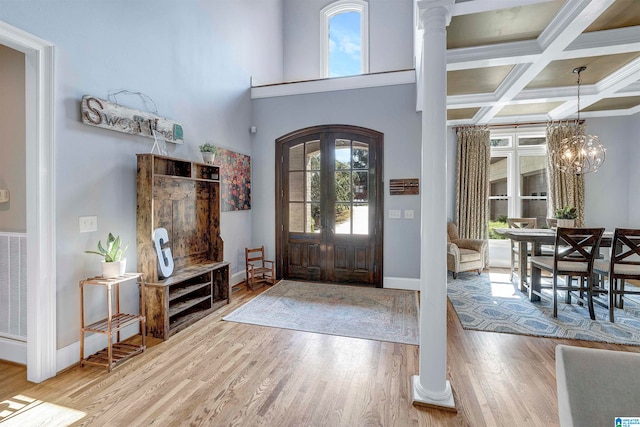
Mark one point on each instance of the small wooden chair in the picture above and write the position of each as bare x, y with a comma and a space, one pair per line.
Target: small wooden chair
258, 269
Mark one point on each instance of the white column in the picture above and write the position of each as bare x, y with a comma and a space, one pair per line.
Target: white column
430, 387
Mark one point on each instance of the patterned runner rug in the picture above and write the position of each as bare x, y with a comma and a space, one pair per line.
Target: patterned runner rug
490, 302
350, 311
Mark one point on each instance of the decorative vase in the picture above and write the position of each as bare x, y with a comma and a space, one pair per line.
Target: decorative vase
208, 157
113, 269
566, 223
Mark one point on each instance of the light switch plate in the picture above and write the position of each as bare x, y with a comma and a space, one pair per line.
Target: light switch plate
394, 213
4, 196
408, 214
88, 224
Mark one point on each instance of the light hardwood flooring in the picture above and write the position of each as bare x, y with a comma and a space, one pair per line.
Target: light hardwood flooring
218, 373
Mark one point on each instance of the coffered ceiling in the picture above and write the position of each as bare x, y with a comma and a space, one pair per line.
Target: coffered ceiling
514, 64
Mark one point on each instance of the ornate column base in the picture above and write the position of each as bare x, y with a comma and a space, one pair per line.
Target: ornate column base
419, 397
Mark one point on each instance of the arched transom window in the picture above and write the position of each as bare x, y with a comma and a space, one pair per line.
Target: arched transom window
344, 38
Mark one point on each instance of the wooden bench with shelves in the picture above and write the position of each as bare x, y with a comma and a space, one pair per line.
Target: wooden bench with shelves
184, 198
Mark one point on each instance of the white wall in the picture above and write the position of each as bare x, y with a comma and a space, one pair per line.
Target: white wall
13, 216
195, 58
390, 110
390, 37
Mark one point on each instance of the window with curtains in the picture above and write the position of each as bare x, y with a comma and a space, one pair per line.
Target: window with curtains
517, 177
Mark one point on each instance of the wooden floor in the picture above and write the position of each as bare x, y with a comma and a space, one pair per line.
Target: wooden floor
224, 373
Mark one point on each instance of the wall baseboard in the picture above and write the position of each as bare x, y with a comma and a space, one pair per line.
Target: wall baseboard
13, 351
401, 283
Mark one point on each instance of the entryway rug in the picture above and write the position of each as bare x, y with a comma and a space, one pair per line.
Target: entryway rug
490, 302
349, 311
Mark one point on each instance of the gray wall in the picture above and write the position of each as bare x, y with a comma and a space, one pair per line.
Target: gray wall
390, 110
13, 215
195, 58
390, 37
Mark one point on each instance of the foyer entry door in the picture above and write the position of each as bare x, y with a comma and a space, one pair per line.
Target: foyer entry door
329, 211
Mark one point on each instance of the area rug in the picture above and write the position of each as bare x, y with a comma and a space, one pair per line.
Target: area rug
349, 311
490, 302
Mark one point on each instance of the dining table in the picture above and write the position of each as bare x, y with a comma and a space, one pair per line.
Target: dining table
537, 237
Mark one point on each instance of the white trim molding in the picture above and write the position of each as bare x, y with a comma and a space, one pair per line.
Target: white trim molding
40, 176
336, 8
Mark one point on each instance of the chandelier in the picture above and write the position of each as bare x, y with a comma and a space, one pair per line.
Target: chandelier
579, 153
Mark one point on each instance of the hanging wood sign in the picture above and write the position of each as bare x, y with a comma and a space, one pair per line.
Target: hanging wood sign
406, 186
107, 115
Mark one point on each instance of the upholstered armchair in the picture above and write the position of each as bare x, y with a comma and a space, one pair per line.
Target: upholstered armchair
464, 254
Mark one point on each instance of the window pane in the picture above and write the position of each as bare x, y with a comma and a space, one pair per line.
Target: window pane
296, 186
344, 45
361, 186
296, 217
532, 140
343, 218
313, 155
500, 141
533, 186
499, 203
343, 186
343, 154
314, 221
313, 186
360, 155
498, 177
360, 218
296, 157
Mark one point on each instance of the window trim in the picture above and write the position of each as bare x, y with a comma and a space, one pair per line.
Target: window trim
336, 8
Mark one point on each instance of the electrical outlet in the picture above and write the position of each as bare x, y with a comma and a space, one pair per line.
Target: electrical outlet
408, 214
88, 224
394, 213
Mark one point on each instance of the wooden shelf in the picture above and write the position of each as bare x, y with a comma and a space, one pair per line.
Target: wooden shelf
118, 321
186, 290
116, 352
120, 353
185, 305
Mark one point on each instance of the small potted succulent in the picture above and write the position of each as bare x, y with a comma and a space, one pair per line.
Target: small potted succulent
113, 264
208, 152
566, 216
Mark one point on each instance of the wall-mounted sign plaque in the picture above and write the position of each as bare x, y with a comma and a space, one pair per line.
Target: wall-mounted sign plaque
107, 115
399, 187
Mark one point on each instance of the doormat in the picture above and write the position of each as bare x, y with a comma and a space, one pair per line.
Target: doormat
349, 311
490, 302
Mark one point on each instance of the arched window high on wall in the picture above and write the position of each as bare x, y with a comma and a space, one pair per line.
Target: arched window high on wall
344, 38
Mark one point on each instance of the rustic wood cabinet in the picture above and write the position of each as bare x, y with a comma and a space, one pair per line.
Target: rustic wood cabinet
184, 198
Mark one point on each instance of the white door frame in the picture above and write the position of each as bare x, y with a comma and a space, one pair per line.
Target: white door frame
40, 177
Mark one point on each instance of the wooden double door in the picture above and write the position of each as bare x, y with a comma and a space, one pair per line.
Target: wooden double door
329, 210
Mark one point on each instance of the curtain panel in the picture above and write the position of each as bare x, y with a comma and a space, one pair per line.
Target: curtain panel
472, 182
565, 189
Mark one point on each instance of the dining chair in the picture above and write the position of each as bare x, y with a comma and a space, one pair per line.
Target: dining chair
574, 253
515, 251
623, 264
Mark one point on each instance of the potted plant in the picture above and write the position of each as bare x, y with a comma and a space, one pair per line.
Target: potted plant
566, 216
113, 264
208, 152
